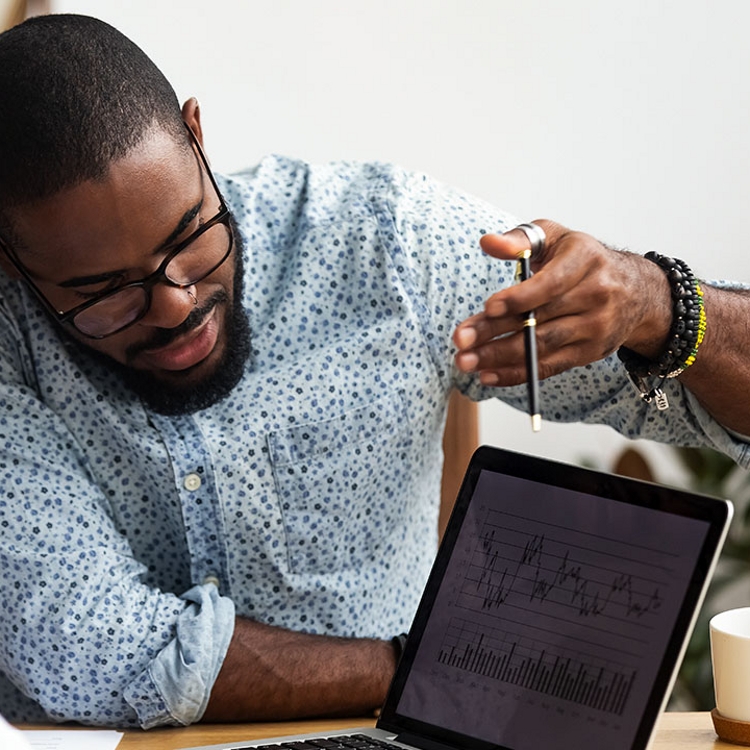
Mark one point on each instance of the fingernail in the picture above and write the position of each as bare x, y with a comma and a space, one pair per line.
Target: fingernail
489, 378
465, 337
467, 361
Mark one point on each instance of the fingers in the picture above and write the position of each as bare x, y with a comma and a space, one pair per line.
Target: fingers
501, 361
572, 266
473, 336
562, 343
481, 328
510, 244
565, 260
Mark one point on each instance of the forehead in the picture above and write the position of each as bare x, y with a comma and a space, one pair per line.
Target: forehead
142, 196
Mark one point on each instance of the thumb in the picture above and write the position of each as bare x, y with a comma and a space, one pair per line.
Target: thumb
510, 244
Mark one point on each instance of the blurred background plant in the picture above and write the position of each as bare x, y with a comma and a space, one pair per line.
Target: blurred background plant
711, 473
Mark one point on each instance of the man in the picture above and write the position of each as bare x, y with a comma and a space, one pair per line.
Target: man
222, 398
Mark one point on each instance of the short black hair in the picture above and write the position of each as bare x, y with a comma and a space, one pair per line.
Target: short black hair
75, 95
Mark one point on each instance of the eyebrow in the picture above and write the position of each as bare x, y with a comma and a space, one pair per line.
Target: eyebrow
98, 278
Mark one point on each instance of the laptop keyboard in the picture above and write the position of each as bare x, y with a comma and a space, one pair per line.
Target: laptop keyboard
339, 742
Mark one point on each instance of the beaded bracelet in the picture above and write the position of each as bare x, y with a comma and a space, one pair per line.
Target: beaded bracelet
685, 335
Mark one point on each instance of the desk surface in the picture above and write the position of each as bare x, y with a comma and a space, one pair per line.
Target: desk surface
675, 731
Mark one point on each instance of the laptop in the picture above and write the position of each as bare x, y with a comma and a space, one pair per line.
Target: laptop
555, 616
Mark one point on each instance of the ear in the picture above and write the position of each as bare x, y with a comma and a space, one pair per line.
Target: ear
191, 113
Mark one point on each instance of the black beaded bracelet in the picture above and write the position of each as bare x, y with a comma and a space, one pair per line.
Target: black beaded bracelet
685, 335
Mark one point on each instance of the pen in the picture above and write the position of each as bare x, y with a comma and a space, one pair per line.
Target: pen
536, 237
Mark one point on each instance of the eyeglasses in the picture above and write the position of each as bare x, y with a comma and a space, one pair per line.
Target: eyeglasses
191, 261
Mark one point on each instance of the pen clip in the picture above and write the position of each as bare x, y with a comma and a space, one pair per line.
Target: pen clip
523, 266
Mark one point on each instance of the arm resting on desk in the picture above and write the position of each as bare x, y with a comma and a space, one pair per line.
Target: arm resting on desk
274, 674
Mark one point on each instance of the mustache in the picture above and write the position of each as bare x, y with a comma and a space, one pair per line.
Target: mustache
165, 336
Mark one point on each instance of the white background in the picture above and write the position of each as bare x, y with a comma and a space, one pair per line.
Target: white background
628, 120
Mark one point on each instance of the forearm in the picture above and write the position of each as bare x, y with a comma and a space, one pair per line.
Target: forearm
720, 377
270, 673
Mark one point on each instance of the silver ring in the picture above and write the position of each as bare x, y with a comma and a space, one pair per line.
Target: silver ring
192, 297
535, 235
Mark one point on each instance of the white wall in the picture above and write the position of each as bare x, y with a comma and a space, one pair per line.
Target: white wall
627, 120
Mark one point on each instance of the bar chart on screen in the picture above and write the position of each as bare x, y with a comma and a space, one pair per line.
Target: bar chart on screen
541, 667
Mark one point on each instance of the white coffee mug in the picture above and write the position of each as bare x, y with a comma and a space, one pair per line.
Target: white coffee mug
730, 658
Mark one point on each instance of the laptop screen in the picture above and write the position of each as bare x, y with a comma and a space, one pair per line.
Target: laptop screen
556, 610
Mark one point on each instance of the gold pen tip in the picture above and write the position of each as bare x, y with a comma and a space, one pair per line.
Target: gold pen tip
536, 422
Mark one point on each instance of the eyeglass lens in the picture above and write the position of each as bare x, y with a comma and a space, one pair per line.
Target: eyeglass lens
194, 262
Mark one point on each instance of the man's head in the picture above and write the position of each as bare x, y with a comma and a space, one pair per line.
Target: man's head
101, 184
76, 95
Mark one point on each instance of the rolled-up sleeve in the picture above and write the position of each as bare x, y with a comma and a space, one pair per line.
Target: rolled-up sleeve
175, 687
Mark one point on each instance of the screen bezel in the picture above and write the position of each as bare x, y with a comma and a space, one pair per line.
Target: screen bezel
715, 512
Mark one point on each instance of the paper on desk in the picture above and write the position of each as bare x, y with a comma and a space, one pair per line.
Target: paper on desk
72, 739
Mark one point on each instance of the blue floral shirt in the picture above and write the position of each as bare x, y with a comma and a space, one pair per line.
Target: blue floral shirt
307, 498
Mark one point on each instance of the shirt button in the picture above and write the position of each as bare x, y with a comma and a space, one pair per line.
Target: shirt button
192, 482
211, 579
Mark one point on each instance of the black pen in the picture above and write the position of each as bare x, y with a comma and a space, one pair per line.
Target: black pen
529, 338
537, 238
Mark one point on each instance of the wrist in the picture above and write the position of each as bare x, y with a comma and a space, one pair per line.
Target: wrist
398, 642
652, 309
686, 331
396, 648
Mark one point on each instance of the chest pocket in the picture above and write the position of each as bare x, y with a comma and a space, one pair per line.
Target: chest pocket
339, 483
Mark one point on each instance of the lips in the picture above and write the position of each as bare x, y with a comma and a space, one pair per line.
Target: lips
186, 351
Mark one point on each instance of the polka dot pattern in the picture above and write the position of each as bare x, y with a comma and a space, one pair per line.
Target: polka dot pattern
307, 498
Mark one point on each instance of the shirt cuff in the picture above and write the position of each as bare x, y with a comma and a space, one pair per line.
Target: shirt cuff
729, 442
176, 686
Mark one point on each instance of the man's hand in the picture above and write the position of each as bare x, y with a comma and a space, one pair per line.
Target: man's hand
589, 300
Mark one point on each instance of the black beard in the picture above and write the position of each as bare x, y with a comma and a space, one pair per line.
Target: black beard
172, 398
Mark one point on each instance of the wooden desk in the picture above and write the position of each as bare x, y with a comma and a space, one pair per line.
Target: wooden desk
675, 731
688, 731
213, 734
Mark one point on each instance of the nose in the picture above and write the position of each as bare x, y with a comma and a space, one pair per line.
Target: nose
170, 305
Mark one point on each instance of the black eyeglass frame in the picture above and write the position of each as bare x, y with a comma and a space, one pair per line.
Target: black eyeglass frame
148, 282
